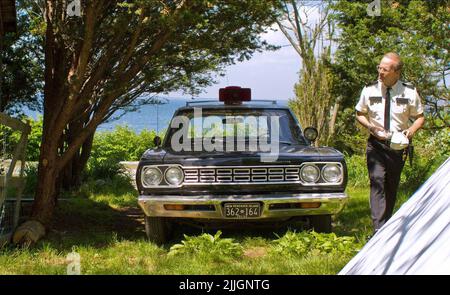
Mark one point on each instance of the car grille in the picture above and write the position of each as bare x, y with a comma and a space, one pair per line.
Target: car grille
241, 175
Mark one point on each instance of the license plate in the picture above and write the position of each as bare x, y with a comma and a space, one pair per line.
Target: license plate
242, 210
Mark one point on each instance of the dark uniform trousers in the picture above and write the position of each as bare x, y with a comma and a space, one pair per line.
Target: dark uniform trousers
385, 167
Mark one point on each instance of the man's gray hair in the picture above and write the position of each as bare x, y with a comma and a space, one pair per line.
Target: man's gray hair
394, 56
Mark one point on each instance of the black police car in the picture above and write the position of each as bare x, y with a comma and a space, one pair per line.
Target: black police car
238, 161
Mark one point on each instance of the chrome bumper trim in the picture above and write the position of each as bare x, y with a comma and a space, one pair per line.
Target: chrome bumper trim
332, 203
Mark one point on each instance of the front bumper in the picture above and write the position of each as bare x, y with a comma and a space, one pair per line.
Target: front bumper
272, 205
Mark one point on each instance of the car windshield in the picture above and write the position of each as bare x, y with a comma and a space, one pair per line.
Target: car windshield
240, 126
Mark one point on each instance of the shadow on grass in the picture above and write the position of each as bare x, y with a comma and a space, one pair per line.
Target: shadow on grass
100, 214
97, 215
89, 223
81, 222
84, 222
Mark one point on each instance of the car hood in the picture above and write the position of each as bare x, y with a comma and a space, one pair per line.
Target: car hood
288, 154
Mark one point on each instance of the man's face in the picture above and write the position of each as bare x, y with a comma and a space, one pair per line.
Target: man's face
387, 73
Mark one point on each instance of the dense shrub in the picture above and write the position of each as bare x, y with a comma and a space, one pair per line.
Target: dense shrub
111, 147
432, 148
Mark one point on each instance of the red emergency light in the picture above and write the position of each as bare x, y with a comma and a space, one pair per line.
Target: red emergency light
234, 94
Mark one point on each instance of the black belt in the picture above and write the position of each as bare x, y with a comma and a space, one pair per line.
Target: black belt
385, 145
386, 142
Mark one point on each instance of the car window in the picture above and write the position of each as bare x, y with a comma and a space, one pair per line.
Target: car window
240, 125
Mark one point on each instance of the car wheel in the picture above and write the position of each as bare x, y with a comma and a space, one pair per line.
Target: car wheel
158, 229
321, 223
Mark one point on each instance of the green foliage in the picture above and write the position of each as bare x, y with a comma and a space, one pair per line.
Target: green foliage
349, 137
11, 138
111, 147
31, 182
34, 139
104, 170
303, 243
433, 143
116, 191
357, 170
313, 98
121, 144
207, 244
431, 149
22, 66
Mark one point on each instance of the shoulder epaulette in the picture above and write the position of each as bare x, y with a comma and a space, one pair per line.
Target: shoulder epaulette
372, 83
408, 84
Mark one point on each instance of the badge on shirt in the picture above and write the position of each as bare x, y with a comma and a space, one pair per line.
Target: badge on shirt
402, 100
375, 99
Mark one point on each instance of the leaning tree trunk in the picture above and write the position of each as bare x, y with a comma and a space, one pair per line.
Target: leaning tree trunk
72, 172
50, 174
46, 188
55, 93
83, 158
45, 197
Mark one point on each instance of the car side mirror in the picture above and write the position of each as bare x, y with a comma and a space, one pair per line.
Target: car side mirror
157, 141
311, 133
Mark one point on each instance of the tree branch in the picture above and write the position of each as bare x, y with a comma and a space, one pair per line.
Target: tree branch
290, 39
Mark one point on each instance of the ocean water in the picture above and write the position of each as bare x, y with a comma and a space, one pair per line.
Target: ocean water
153, 117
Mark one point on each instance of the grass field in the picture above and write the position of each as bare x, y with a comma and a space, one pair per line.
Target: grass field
103, 224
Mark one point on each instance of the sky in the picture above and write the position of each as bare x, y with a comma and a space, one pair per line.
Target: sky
269, 74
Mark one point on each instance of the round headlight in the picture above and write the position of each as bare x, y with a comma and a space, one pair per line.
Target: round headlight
331, 173
174, 176
151, 176
309, 173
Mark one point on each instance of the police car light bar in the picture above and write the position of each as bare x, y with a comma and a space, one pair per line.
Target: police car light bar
234, 94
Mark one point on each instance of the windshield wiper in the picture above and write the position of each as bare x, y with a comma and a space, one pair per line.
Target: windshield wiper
286, 142
279, 141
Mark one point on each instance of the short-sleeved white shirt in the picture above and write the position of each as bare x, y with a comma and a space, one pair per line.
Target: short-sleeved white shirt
405, 103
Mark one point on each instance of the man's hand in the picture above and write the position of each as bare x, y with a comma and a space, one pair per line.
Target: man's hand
408, 133
418, 123
378, 132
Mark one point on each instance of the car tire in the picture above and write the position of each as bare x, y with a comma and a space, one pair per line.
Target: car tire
158, 229
321, 223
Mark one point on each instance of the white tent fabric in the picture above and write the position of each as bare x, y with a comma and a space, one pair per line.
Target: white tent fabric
416, 240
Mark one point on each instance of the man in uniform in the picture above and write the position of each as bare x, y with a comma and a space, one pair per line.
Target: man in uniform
386, 106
